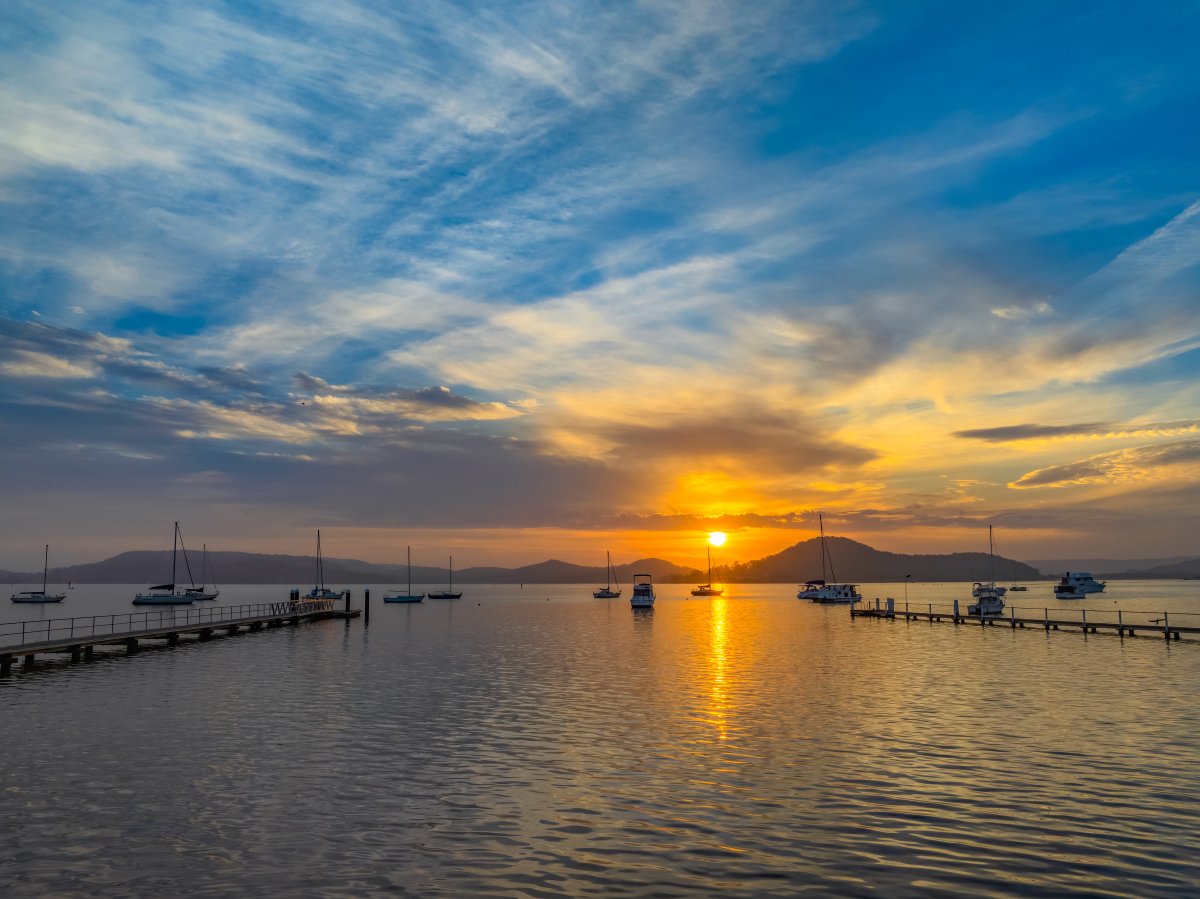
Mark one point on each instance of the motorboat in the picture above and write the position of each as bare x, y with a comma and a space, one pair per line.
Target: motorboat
708, 589
202, 592
40, 596
449, 592
643, 592
989, 599
610, 581
408, 595
319, 590
822, 591
1077, 584
164, 594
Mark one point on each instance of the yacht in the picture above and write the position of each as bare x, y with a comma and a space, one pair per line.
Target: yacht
40, 595
989, 599
319, 590
820, 591
408, 595
201, 592
1077, 584
448, 593
164, 594
708, 589
610, 581
643, 593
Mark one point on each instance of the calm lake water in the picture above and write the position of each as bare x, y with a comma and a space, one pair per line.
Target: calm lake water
538, 742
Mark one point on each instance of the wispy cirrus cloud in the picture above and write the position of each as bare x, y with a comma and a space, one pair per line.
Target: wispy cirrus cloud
1095, 429
1176, 459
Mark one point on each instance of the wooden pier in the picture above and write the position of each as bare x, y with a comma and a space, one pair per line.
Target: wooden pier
79, 636
1127, 624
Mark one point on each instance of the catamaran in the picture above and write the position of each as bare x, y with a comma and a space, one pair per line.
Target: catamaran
319, 590
820, 591
610, 581
989, 599
408, 596
164, 594
40, 595
708, 589
200, 592
643, 593
448, 593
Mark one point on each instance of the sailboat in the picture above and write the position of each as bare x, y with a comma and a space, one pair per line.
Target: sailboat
409, 596
708, 589
40, 595
610, 581
1017, 588
164, 594
989, 599
820, 591
319, 590
449, 593
200, 592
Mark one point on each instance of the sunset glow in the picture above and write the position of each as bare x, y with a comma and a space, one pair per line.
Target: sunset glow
716, 538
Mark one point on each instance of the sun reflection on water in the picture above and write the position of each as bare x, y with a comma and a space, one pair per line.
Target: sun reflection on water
718, 665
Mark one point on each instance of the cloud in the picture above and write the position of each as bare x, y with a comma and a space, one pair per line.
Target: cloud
1023, 312
1095, 429
1180, 458
427, 404
26, 364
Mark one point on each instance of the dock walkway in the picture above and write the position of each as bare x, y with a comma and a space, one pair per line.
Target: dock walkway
79, 636
1126, 623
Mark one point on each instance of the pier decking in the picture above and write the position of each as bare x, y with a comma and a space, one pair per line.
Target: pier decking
1123, 623
79, 636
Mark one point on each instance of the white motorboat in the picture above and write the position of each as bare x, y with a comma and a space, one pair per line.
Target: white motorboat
820, 591
708, 589
40, 595
407, 596
610, 581
449, 592
201, 592
989, 599
319, 590
1077, 584
643, 592
164, 594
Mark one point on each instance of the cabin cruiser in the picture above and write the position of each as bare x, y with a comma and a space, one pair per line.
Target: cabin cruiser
1077, 584
643, 593
819, 591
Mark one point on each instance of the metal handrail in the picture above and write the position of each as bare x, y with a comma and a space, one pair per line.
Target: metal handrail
91, 626
1128, 618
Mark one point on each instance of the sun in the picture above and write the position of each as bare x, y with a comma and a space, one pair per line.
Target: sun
716, 538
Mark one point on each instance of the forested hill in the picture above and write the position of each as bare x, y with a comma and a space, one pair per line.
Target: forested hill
857, 563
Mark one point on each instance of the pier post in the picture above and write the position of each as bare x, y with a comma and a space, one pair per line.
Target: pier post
1084, 613
206, 634
1120, 626
28, 663
131, 646
172, 639
1166, 626
367, 606
76, 653
347, 600
233, 629
88, 652
956, 611
5, 665
1047, 614
1012, 616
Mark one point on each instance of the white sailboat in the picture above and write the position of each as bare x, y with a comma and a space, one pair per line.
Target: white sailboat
40, 595
820, 591
448, 593
319, 590
164, 594
407, 596
708, 589
200, 592
610, 581
989, 599
643, 593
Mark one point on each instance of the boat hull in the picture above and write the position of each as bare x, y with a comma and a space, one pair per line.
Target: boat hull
39, 599
155, 599
445, 594
641, 603
707, 591
199, 595
403, 598
606, 594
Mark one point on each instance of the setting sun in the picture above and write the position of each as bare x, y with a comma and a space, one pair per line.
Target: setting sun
716, 538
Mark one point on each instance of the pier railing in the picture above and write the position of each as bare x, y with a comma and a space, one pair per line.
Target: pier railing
1049, 616
22, 633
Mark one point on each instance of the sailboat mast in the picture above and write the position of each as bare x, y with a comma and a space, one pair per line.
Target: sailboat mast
992, 555
821, 521
410, 571
451, 590
174, 549
709, 566
203, 562
46, 568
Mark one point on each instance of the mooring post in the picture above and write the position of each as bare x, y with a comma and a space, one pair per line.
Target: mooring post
366, 607
1084, 613
1047, 613
1012, 616
1120, 625
76, 653
131, 645
28, 663
88, 652
956, 611
347, 601
5, 665
1166, 626
172, 639
931, 611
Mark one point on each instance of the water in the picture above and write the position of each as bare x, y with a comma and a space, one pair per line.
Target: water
538, 742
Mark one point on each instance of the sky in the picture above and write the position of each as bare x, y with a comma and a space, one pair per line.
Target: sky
543, 279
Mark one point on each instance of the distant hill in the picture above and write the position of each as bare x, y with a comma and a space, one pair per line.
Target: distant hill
1056, 567
858, 563
1189, 568
154, 567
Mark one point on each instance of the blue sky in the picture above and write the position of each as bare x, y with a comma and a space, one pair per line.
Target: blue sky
525, 278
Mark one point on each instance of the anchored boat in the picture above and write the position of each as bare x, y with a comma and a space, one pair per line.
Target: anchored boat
408, 596
319, 590
989, 599
708, 589
40, 595
643, 592
820, 591
449, 592
164, 594
1078, 584
200, 592
610, 581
